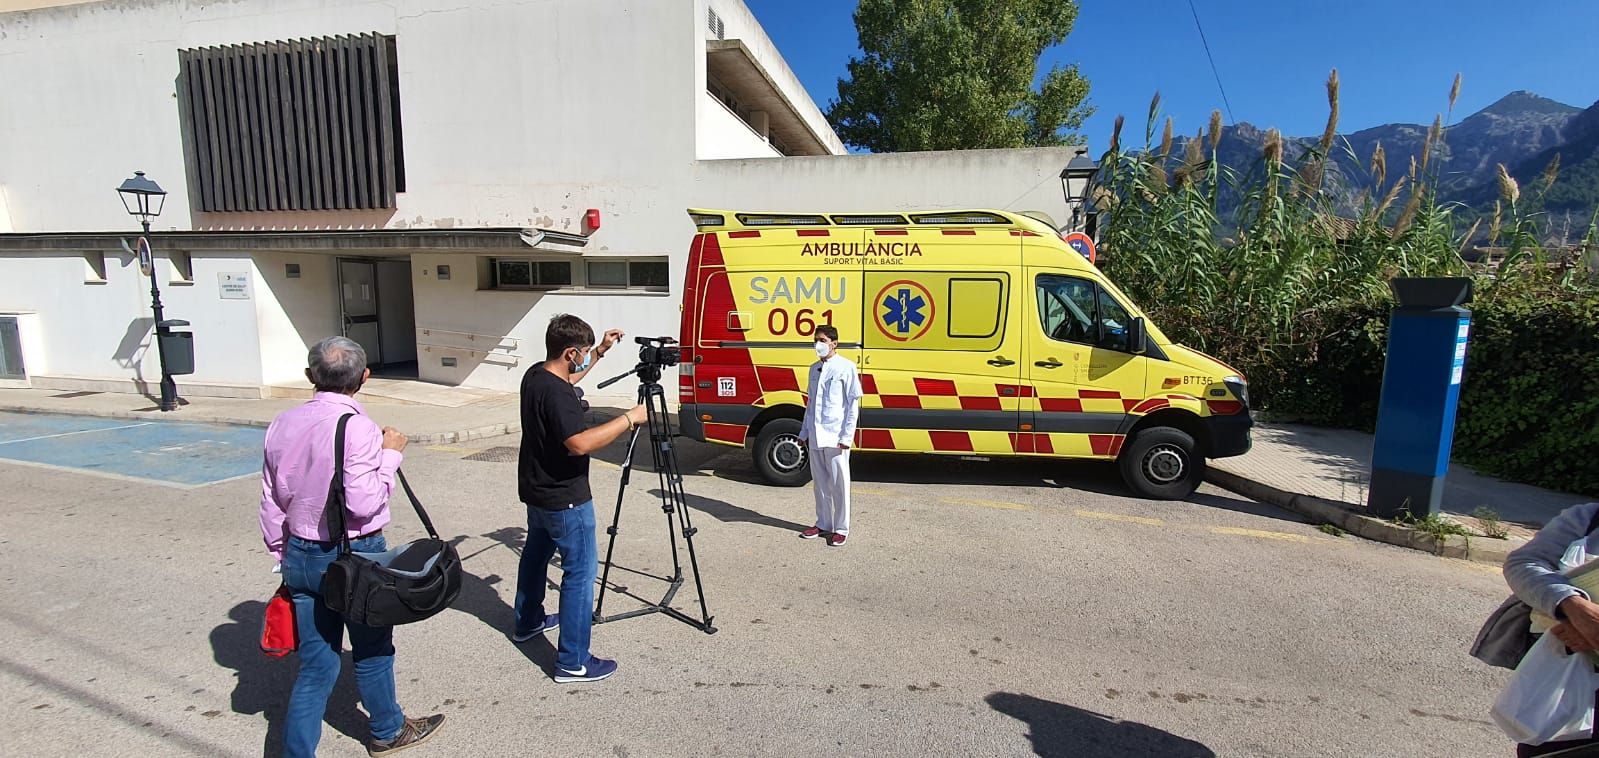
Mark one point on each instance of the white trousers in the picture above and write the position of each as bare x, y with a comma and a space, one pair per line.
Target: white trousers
830, 476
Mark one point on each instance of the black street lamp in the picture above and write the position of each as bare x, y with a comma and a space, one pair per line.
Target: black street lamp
1075, 181
144, 198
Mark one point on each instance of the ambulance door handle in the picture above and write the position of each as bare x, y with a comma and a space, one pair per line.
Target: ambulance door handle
1000, 360
1051, 363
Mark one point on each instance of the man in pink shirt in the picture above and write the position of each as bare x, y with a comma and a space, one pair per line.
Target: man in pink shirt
294, 490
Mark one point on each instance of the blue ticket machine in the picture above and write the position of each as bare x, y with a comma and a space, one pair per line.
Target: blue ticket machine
1420, 391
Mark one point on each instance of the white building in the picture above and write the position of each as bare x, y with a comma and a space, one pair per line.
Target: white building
415, 173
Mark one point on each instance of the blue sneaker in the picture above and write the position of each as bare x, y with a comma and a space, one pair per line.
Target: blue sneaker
594, 671
551, 621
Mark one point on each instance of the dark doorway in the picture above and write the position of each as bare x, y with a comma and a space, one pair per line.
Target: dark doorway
378, 310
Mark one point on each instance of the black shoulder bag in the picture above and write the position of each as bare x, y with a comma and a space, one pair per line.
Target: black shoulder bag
1507, 635
400, 586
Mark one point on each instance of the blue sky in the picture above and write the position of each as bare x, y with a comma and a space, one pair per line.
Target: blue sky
1396, 58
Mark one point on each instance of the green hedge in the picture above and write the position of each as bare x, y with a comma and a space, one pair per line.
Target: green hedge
1529, 408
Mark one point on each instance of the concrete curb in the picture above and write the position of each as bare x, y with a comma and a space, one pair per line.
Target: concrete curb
467, 435
1349, 519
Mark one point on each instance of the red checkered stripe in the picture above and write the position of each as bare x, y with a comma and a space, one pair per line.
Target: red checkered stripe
903, 391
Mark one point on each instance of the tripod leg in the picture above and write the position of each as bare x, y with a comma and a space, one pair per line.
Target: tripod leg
616, 519
673, 484
693, 558
665, 466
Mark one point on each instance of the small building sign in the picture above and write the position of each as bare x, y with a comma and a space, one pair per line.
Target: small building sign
234, 286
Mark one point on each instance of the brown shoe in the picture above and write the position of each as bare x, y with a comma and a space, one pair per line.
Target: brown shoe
413, 733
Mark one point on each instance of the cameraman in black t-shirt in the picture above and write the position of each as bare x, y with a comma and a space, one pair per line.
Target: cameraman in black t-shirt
553, 480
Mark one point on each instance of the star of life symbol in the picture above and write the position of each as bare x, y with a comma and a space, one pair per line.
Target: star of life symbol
903, 309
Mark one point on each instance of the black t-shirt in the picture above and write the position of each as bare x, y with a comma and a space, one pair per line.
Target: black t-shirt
548, 475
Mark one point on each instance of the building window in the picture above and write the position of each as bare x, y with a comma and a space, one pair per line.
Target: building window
522, 274
643, 274
308, 124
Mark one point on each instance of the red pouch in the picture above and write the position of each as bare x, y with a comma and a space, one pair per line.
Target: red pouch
279, 634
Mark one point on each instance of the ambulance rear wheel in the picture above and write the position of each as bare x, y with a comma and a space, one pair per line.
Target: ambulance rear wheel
1162, 463
780, 455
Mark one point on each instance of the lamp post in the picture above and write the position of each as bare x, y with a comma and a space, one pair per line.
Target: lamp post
144, 199
1075, 181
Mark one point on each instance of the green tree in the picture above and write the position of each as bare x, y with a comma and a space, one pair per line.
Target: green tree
959, 74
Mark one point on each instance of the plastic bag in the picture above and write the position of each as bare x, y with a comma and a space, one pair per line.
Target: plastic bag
1550, 697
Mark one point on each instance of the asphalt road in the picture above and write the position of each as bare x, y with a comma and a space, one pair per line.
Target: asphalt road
980, 608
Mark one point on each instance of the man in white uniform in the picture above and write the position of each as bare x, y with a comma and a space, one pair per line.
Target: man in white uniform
828, 431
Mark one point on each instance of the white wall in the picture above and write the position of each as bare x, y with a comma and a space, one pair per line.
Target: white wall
515, 113
293, 314
1018, 180
740, 24
722, 134
458, 305
105, 330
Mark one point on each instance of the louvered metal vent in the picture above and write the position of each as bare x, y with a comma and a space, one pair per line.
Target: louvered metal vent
309, 124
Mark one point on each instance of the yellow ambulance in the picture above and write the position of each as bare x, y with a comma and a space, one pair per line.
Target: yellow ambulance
977, 333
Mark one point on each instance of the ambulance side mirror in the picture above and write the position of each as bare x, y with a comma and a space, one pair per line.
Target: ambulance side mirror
1137, 337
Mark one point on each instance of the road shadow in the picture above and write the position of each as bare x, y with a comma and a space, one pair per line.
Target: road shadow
1067, 476
1240, 505
1061, 730
480, 599
264, 683
731, 514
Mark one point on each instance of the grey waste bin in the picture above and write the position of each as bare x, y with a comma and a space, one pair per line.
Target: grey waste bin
177, 347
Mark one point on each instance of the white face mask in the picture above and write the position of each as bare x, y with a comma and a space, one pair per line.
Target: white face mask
822, 349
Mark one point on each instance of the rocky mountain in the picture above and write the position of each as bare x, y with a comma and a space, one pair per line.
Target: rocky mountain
1572, 200
1522, 130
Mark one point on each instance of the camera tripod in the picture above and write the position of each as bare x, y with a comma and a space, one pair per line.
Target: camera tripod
653, 398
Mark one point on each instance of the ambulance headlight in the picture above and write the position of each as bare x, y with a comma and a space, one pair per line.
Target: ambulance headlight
1239, 387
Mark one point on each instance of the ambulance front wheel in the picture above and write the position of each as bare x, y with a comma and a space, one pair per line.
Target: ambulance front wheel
1162, 463
780, 454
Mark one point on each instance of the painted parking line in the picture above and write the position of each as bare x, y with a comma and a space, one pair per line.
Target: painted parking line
171, 453
69, 434
1259, 533
15, 427
1120, 517
985, 503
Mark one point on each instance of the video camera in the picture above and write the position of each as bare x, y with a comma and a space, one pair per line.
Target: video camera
658, 351
655, 354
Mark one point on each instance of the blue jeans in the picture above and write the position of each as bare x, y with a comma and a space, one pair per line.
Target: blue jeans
321, 637
570, 531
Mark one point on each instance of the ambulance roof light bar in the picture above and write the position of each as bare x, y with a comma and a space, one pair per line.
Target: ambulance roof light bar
862, 220
707, 219
782, 219
959, 217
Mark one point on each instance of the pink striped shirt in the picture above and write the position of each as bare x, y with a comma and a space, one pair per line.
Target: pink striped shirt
299, 467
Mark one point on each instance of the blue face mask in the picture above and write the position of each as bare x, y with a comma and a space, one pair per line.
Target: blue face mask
588, 358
